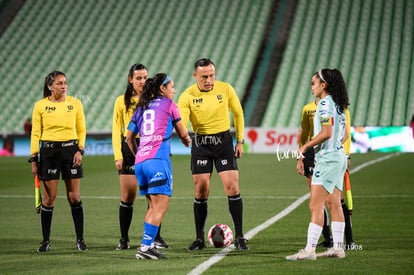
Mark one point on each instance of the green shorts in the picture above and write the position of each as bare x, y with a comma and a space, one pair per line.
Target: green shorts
329, 170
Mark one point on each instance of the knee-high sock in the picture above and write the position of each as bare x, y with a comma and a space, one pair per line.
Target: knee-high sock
159, 229
326, 231
200, 216
314, 232
348, 224
236, 211
150, 231
46, 214
126, 211
158, 233
338, 234
77, 215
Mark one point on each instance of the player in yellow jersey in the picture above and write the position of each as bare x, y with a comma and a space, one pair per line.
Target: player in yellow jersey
206, 104
58, 135
124, 109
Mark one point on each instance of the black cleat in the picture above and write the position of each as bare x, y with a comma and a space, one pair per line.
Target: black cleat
123, 244
80, 245
196, 245
44, 247
160, 243
241, 244
326, 243
151, 253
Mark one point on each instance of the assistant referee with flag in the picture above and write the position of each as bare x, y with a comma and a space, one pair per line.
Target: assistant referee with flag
58, 135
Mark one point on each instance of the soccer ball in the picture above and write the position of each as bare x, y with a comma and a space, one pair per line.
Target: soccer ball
220, 235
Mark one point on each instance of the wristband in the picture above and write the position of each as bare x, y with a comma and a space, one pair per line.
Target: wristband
32, 159
81, 151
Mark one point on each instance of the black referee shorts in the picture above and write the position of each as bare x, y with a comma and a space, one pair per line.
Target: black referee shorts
309, 162
128, 167
216, 149
57, 158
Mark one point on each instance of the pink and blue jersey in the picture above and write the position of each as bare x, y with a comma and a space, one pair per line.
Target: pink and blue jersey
154, 125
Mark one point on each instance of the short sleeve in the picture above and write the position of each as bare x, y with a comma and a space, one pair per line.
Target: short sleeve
325, 113
175, 114
135, 124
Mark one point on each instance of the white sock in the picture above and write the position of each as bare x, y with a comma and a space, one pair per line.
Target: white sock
338, 234
144, 247
314, 232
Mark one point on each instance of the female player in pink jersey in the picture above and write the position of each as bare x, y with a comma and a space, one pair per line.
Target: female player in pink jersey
154, 120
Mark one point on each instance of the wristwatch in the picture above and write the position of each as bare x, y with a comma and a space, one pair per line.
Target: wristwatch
241, 141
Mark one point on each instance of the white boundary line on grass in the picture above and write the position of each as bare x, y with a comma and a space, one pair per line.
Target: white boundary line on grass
249, 235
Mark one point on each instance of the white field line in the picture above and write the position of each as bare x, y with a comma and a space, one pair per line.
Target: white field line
249, 235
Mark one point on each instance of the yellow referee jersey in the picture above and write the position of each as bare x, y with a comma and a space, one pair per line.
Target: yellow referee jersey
209, 111
347, 143
57, 121
120, 122
308, 113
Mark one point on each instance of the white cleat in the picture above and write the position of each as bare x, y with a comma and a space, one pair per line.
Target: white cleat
302, 255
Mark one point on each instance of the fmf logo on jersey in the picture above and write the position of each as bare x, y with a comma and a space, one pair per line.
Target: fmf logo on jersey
70, 108
202, 162
50, 109
220, 98
197, 101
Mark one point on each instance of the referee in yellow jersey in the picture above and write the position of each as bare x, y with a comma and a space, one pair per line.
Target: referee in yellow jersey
348, 206
58, 135
206, 104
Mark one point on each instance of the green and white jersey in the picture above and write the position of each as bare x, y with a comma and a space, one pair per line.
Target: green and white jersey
327, 113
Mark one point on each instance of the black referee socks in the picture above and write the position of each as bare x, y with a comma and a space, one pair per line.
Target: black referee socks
200, 216
236, 211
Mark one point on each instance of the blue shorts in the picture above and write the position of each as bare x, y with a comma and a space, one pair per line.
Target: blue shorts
154, 177
329, 170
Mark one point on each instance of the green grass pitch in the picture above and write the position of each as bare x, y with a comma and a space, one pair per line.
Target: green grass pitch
383, 221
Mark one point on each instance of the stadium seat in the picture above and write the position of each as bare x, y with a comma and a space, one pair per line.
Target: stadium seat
95, 42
